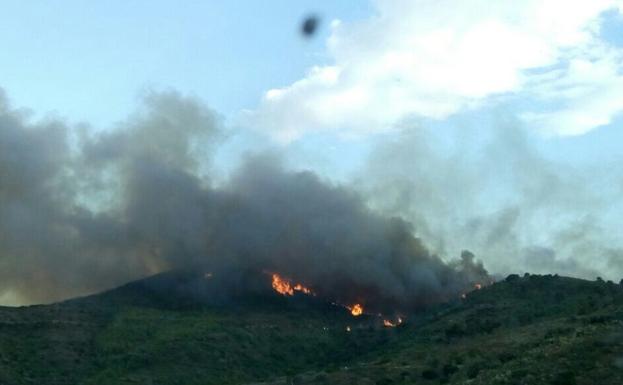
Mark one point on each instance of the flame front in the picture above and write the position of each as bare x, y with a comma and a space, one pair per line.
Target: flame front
356, 310
390, 324
284, 287
302, 288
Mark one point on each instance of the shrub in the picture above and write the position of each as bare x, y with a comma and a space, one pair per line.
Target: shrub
321, 377
455, 330
506, 356
512, 277
429, 374
449, 369
564, 378
474, 369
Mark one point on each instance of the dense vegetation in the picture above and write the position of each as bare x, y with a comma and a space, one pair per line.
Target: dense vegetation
524, 330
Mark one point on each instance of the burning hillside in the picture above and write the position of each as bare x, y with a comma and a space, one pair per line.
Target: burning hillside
285, 287
155, 211
268, 334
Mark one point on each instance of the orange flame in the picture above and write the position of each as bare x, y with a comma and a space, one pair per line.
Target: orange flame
302, 288
284, 287
477, 286
390, 324
356, 310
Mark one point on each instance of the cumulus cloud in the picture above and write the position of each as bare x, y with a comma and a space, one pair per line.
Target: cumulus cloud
585, 93
436, 58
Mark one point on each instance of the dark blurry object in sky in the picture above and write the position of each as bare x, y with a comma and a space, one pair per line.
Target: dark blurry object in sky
310, 25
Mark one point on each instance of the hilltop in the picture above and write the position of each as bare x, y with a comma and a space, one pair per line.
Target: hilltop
181, 328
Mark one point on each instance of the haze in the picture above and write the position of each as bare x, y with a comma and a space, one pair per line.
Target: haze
139, 137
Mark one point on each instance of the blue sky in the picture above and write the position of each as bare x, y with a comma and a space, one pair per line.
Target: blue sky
88, 61
377, 68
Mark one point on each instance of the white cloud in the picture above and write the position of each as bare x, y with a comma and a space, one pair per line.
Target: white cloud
588, 91
434, 58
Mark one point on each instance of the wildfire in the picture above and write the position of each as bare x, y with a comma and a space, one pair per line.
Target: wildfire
477, 286
302, 288
207, 275
284, 287
390, 324
356, 309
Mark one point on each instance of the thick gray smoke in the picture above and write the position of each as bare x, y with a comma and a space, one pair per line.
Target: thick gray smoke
69, 216
82, 213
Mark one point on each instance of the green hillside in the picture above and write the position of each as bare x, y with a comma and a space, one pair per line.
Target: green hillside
524, 330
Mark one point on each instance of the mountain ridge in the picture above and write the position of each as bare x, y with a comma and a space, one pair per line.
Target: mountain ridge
521, 330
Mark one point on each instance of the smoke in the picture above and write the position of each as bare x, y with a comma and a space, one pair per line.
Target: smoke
81, 212
489, 189
69, 215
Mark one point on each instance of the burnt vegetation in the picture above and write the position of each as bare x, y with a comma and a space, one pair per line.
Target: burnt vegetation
170, 329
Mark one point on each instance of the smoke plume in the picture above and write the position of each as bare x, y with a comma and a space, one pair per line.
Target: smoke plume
81, 212
492, 191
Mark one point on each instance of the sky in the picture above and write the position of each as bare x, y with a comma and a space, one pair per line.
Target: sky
90, 62
446, 89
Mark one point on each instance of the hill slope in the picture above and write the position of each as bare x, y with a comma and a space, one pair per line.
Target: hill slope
529, 330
